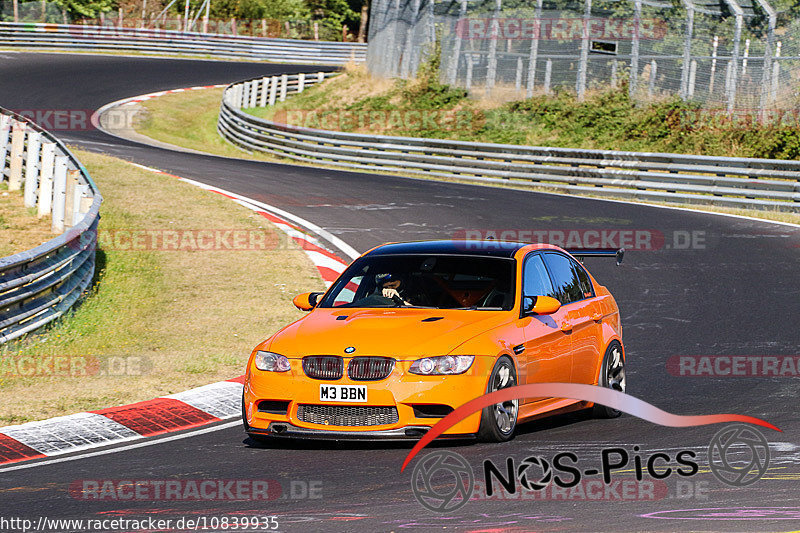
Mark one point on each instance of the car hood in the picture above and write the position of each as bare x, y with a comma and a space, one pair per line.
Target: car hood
399, 333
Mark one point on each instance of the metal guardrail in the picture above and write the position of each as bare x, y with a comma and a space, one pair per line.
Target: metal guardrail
39, 285
723, 181
105, 38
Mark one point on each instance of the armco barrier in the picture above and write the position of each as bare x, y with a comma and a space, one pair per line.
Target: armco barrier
39, 285
107, 38
723, 181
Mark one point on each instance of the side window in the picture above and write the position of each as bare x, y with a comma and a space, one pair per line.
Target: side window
535, 281
583, 278
566, 284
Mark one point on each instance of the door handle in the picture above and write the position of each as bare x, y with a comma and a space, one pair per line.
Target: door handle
566, 326
597, 317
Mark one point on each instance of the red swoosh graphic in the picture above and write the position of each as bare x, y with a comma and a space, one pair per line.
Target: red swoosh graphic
589, 393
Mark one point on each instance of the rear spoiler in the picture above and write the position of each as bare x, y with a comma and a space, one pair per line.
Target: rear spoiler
582, 253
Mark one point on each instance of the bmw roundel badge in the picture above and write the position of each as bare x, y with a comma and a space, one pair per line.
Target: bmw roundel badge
350, 349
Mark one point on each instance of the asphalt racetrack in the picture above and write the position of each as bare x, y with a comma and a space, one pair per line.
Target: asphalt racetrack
715, 285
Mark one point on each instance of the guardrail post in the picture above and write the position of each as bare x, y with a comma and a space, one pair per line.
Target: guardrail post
59, 193
69, 197
46, 179
284, 83
17, 149
264, 88
320, 77
32, 168
5, 133
301, 82
273, 87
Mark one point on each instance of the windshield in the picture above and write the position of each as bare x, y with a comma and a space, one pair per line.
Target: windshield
429, 281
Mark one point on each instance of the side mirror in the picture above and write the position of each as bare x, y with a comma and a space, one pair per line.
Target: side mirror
306, 301
540, 305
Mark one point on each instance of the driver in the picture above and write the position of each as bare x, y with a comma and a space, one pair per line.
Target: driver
390, 288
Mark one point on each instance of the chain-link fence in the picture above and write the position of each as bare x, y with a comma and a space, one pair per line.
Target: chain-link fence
734, 55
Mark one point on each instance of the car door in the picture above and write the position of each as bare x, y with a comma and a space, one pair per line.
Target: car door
584, 315
547, 348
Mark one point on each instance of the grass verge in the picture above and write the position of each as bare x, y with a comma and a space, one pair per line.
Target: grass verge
189, 119
157, 320
20, 228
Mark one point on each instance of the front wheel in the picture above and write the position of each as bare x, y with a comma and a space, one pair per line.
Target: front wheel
612, 376
499, 420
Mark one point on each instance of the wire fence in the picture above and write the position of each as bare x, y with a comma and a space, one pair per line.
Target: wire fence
738, 56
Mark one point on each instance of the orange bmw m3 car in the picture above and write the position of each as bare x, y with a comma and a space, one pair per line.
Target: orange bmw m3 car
411, 331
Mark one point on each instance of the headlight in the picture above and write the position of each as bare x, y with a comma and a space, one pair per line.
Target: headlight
272, 362
445, 364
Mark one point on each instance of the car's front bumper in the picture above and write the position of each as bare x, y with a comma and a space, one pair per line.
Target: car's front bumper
401, 391
286, 430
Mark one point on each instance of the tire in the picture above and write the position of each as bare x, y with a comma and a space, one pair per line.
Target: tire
498, 421
612, 376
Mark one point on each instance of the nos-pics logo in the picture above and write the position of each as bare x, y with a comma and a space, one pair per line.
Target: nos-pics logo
444, 481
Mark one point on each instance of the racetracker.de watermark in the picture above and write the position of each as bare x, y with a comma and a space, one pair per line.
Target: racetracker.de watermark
733, 366
560, 28
194, 490
382, 120
73, 366
647, 240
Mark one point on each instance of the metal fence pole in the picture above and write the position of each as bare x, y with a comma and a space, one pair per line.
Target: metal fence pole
737, 37
614, 74
583, 64
766, 69
518, 77
634, 73
651, 87
468, 80
452, 67
692, 79
32, 168
776, 70
534, 54
687, 50
714, 47
548, 70
494, 31
406, 66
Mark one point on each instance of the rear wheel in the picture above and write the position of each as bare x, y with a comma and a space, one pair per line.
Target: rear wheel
612, 376
499, 420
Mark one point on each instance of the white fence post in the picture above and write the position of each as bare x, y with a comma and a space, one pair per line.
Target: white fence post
264, 88
320, 77
245, 100
17, 149
653, 73
284, 83
69, 200
253, 93
32, 168
273, 87
301, 82
59, 193
46, 178
548, 72
692, 78
5, 133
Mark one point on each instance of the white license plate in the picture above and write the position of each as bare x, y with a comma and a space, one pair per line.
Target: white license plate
343, 393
